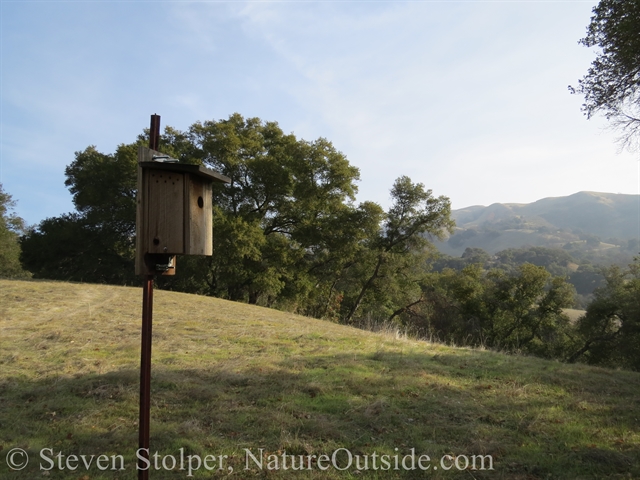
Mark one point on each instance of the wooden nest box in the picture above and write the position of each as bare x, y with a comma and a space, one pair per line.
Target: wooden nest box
174, 211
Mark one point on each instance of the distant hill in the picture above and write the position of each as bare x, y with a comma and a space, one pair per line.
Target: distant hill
582, 221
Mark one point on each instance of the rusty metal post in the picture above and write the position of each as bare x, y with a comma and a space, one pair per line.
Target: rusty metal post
145, 348
154, 132
145, 376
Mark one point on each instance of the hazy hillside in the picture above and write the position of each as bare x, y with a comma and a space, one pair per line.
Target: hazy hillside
230, 377
551, 222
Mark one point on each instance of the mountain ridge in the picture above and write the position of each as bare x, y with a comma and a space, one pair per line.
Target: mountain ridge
554, 222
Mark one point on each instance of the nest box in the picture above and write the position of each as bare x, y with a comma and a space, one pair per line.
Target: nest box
174, 211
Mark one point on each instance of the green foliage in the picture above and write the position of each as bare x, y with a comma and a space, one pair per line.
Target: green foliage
611, 327
554, 260
475, 255
586, 279
286, 226
558, 262
611, 83
11, 226
515, 312
453, 301
104, 187
399, 244
97, 243
72, 248
470, 256
525, 312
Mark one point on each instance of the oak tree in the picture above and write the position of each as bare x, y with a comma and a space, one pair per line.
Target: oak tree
612, 83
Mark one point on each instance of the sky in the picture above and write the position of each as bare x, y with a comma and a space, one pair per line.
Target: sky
469, 98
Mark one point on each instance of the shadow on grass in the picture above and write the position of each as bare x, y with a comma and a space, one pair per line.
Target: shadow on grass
535, 423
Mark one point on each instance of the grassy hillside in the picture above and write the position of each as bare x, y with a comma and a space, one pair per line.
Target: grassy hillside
228, 377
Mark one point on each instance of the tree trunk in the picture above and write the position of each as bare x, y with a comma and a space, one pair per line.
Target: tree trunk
365, 287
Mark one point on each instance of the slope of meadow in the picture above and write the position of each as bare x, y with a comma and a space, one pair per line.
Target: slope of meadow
229, 378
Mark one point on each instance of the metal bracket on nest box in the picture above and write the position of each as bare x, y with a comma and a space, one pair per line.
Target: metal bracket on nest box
160, 264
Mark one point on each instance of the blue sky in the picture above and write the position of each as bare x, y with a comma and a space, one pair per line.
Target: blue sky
468, 97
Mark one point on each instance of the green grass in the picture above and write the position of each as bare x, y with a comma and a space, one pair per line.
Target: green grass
228, 377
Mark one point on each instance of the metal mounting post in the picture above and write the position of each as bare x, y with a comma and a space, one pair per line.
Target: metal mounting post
145, 347
145, 376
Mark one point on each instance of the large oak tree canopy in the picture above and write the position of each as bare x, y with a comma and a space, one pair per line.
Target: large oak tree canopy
612, 84
287, 230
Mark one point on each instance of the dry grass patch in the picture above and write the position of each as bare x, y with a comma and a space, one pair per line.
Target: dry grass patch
228, 377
